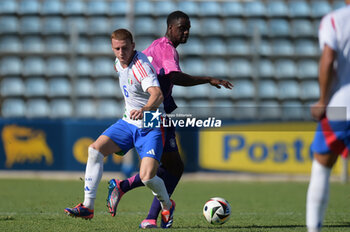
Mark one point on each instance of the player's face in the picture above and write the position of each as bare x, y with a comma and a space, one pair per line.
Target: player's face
123, 50
180, 30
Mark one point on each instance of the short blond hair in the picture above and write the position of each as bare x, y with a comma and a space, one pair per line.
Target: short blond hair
122, 34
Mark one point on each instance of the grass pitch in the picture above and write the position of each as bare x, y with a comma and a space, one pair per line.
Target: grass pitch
37, 205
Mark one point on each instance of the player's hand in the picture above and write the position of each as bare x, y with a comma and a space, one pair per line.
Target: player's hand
136, 114
318, 110
218, 83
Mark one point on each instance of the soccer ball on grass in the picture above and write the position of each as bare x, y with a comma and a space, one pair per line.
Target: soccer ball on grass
217, 211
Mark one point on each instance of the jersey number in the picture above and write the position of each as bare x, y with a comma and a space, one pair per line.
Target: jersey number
126, 93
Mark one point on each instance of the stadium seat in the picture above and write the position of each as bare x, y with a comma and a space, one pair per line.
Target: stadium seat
209, 8
200, 108
30, 24
54, 25
52, 7
338, 4
37, 108
254, 8
8, 24
254, 24
264, 47
33, 66
199, 91
267, 89
83, 66
320, 8
239, 68
29, 7
194, 46
59, 87
194, 66
84, 87
101, 44
288, 90
306, 47
12, 86
234, 26
223, 109
307, 68
56, 44
213, 27
119, 22
99, 25
118, 7
9, 43
196, 27
143, 7
74, 7
61, 108
8, 7
298, 8
268, 110
266, 69
13, 108
161, 26
143, 42
162, 8
85, 108
180, 92
57, 66
108, 108
215, 46
190, 7
310, 90
103, 66
245, 110
96, 7
285, 68
232, 8
282, 47
220, 69
279, 27
33, 43
243, 89
10, 65
302, 27
36, 87
78, 23
238, 46
144, 26
83, 46
276, 8
293, 110
106, 87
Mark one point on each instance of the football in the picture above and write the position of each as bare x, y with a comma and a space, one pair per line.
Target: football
217, 211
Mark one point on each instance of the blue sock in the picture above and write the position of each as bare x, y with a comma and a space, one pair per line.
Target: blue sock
130, 183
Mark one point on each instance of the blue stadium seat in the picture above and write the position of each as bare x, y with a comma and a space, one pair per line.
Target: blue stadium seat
13, 108
95, 7
306, 47
232, 8
103, 66
119, 22
78, 23
338, 4
310, 90
200, 108
264, 47
239, 68
254, 8
238, 46
106, 87
163, 8
83, 66
74, 7
101, 44
243, 89
161, 26
143, 7
254, 24
196, 27
194, 66
37, 108
199, 91
143, 42
30, 24
59, 87
99, 25
267, 89
180, 92
266, 69
9, 43
215, 46
8, 24
36, 87
298, 8
288, 90
302, 27
276, 8
8, 7
285, 68
316, 25
10, 65
223, 109
85, 108
222, 93
320, 8
234, 26
61, 108
33, 66
269, 110
282, 47
108, 108
33, 43
57, 66
307, 68
118, 7
83, 46
194, 46
56, 44
29, 7
144, 26
245, 110
213, 27
190, 7
293, 110
210, 8
279, 27
84, 87
52, 7
218, 67
54, 25
12, 86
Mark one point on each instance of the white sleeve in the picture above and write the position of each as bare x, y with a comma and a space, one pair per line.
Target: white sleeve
327, 32
150, 77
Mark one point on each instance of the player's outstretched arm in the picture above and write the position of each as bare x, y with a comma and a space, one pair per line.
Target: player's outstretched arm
155, 99
183, 79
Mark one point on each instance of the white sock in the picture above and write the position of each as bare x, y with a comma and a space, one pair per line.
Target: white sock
317, 196
157, 186
93, 175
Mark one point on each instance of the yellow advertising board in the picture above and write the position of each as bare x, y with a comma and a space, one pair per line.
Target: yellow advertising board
264, 148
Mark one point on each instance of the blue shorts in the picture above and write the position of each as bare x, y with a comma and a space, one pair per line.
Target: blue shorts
170, 139
148, 142
332, 137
